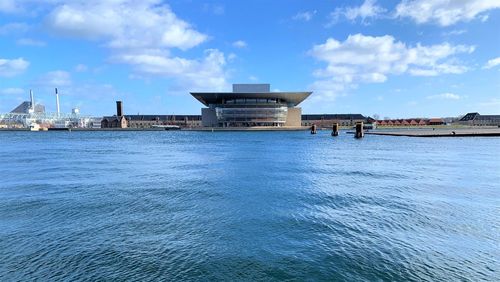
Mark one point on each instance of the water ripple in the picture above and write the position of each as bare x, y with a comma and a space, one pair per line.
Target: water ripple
287, 206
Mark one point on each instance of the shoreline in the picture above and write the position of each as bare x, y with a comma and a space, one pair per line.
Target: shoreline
396, 132
441, 132
209, 129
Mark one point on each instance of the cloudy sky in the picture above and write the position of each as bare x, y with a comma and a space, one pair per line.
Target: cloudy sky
395, 58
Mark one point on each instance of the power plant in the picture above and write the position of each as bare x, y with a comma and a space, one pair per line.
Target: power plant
29, 114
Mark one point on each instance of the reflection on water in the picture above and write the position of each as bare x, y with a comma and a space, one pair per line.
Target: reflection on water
247, 205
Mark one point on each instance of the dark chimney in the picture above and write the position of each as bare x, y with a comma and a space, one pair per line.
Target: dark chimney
119, 108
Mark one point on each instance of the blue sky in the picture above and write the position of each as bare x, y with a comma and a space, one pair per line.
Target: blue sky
405, 58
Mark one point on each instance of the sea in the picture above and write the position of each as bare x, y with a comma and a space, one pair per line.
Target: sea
247, 206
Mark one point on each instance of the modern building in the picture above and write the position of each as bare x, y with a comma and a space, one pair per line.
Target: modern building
26, 108
480, 120
250, 105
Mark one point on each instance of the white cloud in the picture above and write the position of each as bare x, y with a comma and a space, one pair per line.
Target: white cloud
444, 96
124, 24
240, 44
56, 78
14, 28
455, 32
445, 12
492, 63
81, 68
231, 57
369, 9
31, 42
202, 74
12, 91
493, 102
13, 67
304, 16
371, 59
8, 6
489, 106
142, 34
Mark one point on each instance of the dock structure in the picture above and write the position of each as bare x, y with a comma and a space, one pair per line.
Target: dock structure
335, 129
359, 130
452, 132
313, 129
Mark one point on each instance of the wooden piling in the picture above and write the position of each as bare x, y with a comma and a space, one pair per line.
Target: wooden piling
335, 129
359, 130
313, 129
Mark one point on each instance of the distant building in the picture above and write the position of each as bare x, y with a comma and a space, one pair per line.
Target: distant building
476, 119
436, 121
114, 122
406, 122
251, 105
147, 121
25, 107
28, 107
118, 121
327, 120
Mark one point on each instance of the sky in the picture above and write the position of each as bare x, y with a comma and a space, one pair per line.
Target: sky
395, 58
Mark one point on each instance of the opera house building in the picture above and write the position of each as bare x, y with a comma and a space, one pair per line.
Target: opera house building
251, 105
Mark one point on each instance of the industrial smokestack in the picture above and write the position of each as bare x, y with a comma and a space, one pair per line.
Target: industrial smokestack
119, 108
32, 99
57, 103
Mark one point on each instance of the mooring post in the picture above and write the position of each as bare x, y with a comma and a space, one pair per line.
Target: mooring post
313, 129
359, 130
335, 129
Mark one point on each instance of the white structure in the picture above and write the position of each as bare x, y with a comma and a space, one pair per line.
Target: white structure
57, 103
28, 113
32, 106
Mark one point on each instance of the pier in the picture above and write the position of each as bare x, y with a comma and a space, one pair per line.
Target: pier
441, 132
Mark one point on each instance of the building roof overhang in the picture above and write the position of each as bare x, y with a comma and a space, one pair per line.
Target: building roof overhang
293, 98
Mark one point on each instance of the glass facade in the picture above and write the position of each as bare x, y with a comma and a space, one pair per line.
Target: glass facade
251, 105
251, 112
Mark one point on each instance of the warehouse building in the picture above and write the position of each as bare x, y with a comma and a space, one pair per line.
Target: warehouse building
476, 119
327, 120
147, 121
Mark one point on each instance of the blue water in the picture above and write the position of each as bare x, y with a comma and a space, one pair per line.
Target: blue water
247, 206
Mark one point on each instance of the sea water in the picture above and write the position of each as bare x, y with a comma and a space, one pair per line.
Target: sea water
247, 206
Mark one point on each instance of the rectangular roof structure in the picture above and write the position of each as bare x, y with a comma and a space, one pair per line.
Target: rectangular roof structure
292, 98
251, 91
257, 88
